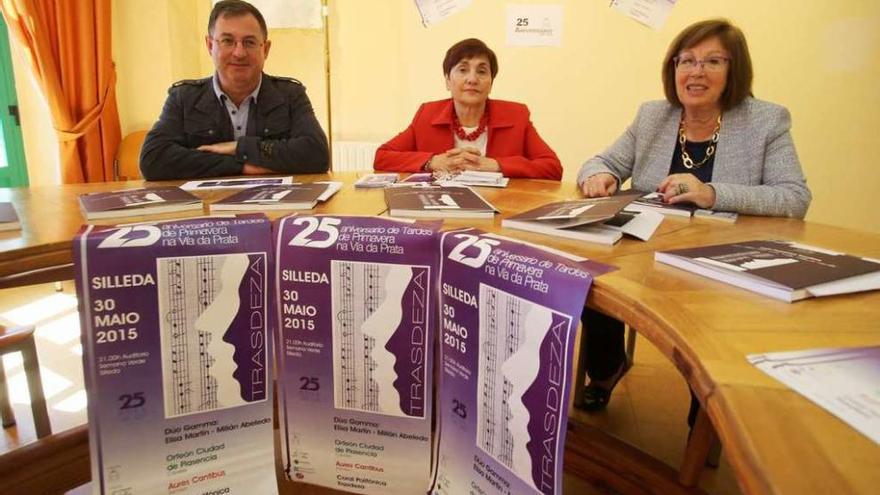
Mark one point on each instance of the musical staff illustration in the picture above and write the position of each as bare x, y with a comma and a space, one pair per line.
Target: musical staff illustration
175, 317
366, 299
489, 364
198, 299
370, 288
512, 330
206, 293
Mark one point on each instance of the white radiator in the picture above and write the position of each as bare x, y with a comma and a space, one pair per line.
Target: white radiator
350, 156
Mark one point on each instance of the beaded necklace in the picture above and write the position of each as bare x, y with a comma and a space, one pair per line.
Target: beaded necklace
470, 136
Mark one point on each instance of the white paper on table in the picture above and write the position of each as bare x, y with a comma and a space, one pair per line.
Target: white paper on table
302, 14
534, 25
434, 11
652, 13
844, 381
643, 225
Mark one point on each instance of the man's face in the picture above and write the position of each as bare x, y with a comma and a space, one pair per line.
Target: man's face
239, 51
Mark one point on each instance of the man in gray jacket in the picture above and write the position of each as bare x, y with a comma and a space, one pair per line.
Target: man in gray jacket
240, 121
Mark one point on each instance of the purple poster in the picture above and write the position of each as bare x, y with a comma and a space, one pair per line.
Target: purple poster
509, 312
176, 351
357, 318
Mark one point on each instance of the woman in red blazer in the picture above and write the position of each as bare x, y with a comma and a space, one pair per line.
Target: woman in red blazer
469, 131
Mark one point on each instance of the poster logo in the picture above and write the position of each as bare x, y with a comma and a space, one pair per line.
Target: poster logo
137, 236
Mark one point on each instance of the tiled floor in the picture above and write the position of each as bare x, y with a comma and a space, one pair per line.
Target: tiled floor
648, 408
60, 355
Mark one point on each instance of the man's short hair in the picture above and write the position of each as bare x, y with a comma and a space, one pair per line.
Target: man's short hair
235, 8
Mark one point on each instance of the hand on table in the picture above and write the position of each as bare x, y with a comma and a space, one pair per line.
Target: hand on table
687, 188
599, 185
471, 159
458, 159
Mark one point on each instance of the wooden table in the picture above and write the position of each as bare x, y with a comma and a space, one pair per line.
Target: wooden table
777, 441
50, 217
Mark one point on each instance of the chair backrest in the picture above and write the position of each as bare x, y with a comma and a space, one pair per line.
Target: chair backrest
128, 164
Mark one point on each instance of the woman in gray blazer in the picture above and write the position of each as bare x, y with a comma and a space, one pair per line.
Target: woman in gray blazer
710, 143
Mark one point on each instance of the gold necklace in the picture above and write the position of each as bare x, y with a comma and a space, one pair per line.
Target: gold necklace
686, 159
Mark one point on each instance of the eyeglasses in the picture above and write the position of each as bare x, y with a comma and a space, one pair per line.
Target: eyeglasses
709, 64
228, 44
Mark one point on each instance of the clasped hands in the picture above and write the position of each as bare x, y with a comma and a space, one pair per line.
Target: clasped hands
228, 148
676, 188
458, 159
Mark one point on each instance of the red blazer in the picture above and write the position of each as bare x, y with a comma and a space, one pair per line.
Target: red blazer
513, 141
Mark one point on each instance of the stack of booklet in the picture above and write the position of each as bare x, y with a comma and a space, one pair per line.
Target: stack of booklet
720, 216
599, 220
654, 202
282, 197
420, 200
236, 183
136, 202
376, 180
476, 178
783, 270
8, 217
419, 177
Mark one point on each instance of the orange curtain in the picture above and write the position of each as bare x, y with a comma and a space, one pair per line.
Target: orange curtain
68, 43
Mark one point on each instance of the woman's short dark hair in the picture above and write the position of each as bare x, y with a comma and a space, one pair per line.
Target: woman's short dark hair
739, 73
235, 8
469, 48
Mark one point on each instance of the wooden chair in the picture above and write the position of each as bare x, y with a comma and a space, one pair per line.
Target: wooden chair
703, 449
631, 344
21, 339
52, 464
128, 159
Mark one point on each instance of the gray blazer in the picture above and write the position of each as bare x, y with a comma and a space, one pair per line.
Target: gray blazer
756, 168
